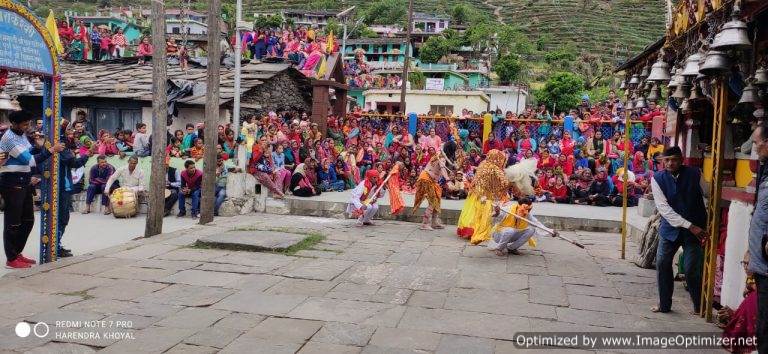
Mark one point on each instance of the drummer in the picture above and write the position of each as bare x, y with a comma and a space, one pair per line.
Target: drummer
129, 176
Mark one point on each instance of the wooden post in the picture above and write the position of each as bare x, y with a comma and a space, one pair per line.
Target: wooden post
407, 61
211, 113
625, 178
155, 212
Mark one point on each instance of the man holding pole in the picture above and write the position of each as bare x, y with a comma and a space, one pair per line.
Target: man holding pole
679, 198
512, 228
362, 202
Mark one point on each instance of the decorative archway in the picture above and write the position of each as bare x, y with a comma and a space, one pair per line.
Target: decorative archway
26, 46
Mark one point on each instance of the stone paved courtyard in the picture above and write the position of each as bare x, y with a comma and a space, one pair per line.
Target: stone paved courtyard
390, 288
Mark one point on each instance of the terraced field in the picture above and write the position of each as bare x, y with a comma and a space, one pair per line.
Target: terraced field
615, 29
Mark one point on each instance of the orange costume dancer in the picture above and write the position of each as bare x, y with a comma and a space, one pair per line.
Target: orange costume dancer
396, 204
490, 185
427, 186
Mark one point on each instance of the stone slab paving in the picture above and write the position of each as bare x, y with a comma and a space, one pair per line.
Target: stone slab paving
254, 240
390, 288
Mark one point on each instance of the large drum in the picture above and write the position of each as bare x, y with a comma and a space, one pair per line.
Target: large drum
125, 203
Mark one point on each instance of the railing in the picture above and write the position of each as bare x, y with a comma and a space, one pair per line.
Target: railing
502, 129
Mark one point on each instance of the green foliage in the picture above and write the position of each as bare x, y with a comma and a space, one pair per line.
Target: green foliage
268, 21
334, 27
562, 90
460, 14
509, 68
434, 48
417, 79
566, 52
543, 41
42, 11
386, 12
324, 5
511, 40
480, 35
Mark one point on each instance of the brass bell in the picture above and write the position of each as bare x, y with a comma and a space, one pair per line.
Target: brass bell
685, 106
5, 102
640, 104
647, 85
655, 94
681, 92
691, 68
749, 95
696, 93
630, 105
717, 63
733, 35
634, 80
644, 73
659, 71
674, 82
623, 85
761, 77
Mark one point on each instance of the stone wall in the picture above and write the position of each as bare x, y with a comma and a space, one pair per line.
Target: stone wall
283, 92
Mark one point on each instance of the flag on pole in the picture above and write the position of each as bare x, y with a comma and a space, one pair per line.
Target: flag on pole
321, 69
50, 24
330, 44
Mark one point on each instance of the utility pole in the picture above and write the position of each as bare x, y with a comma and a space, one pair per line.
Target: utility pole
407, 61
344, 16
238, 69
154, 224
211, 112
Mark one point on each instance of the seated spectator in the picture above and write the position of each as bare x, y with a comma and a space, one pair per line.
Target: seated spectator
197, 151
455, 187
223, 169
97, 182
129, 176
107, 145
172, 186
326, 175
191, 186
301, 186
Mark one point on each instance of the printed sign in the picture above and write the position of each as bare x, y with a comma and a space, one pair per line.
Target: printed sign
436, 84
22, 47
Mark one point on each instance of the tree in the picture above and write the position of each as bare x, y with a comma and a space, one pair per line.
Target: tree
386, 12
324, 5
562, 91
509, 68
460, 14
479, 36
511, 40
417, 79
268, 21
434, 48
334, 27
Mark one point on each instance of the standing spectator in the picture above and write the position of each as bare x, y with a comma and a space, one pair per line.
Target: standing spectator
119, 43
758, 236
68, 160
105, 45
17, 185
141, 141
95, 44
191, 185
679, 198
97, 181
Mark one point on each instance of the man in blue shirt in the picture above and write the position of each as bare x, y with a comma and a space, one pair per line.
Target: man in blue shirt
17, 186
679, 198
758, 235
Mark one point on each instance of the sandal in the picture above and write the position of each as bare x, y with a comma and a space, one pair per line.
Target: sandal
657, 309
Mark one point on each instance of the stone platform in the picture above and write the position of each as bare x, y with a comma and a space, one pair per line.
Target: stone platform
558, 216
252, 240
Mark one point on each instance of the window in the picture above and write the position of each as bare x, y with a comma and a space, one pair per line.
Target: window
114, 119
441, 109
175, 30
441, 24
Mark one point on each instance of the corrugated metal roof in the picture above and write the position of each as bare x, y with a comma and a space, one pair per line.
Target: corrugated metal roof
133, 81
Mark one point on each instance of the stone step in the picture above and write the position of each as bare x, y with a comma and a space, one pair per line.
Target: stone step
256, 240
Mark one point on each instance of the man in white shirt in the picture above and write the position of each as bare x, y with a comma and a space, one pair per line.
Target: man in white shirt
130, 176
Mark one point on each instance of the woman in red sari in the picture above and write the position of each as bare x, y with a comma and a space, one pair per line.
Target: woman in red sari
743, 323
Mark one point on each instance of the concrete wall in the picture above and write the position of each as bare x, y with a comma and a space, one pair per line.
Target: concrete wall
419, 101
507, 99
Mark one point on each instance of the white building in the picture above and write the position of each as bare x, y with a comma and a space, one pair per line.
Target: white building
424, 101
176, 26
507, 98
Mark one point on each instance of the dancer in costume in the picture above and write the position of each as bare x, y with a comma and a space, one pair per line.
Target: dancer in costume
511, 231
490, 185
427, 186
362, 204
394, 185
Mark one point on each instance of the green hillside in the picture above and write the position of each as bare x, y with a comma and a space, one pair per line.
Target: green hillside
611, 29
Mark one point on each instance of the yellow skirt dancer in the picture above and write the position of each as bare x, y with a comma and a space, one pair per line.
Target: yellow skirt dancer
490, 185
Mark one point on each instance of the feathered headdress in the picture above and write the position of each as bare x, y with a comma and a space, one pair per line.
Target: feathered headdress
521, 174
